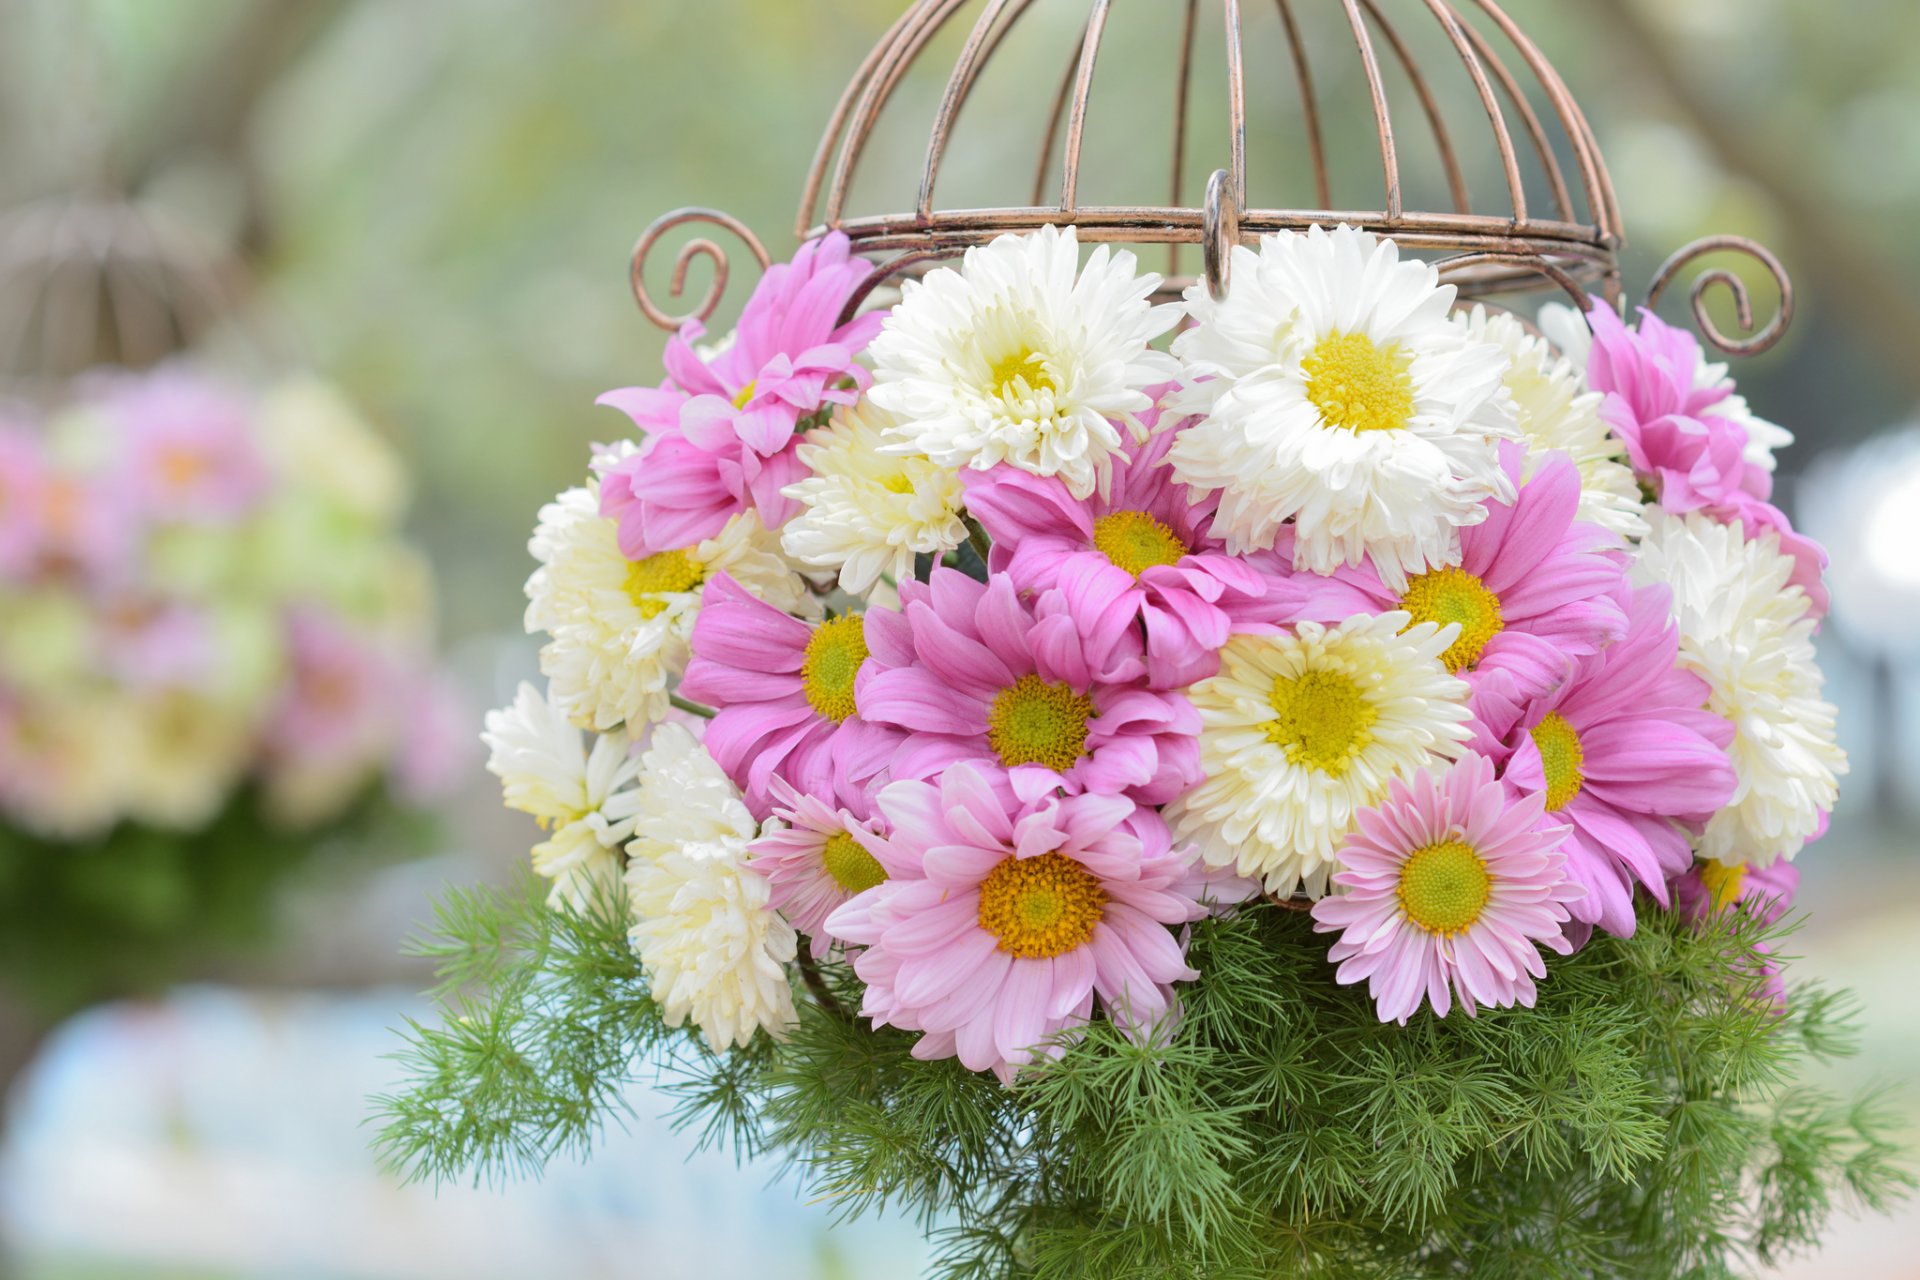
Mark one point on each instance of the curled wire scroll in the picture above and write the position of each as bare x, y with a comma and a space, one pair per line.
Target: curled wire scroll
695, 248
1759, 338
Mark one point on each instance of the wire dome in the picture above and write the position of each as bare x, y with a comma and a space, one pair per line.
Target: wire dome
1480, 157
88, 280
1501, 238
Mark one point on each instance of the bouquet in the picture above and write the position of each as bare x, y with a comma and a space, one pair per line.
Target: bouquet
1318, 795
215, 657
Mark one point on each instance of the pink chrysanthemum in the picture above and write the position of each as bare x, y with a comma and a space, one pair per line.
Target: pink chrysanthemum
80, 527
1533, 593
785, 691
1449, 890
972, 674
1763, 893
1682, 437
818, 860
188, 451
1627, 753
1691, 455
437, 742
23, 478
721, 428
1141, 556
157, 644
1001, 922
339, 706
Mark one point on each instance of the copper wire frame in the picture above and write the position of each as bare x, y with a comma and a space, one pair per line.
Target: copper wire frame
1505, 248
88, 279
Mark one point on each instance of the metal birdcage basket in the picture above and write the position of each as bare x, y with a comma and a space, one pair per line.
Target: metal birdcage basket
89, 280
1547, 219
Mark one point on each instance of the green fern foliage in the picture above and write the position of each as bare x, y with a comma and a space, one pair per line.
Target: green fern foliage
1643, 1120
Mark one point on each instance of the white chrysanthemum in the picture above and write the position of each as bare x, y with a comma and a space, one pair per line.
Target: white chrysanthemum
1337, 394
621, 628
1299, 732
1554, 412
1013, 359
1565, 327
1750, 637
869, 511
1763, 437
713, 948
585, 798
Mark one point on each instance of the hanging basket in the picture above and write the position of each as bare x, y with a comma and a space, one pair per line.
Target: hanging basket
1208, 775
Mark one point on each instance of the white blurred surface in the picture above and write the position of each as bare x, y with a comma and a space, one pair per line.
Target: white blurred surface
220, 1133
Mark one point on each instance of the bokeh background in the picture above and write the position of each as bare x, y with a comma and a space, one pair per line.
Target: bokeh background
436, 198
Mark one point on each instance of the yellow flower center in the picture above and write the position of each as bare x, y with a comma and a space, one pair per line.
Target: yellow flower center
1454, 595
1136, 541
1444, 887
1357, 385
1019, 373
1321, 719
1041, 907
1033, 722
1723, 880
663, 574
180, 467
746, 394
831, 661
62, 505
852, 867
1560, 759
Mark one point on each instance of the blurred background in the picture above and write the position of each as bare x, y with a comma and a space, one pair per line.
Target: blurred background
433, 202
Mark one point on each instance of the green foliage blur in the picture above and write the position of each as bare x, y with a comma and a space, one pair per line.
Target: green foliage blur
140, 908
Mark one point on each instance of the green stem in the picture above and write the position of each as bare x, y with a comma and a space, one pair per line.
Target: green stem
817, 983
978, 537
692, 708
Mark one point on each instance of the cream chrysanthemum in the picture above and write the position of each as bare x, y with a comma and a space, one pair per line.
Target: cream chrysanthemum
1749, 635
64, 763
184, 755
1013, 359
870, 511
685, 798
621, 628
1337, 394
584, 798
1300, 732
714, 949
1554, 411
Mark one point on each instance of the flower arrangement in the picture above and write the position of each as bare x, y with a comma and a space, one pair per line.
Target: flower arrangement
1318, 795
215, 656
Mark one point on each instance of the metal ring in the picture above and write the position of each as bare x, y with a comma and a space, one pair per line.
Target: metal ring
1220, 232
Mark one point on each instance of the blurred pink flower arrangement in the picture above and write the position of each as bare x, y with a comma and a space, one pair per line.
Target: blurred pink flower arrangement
203, 588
